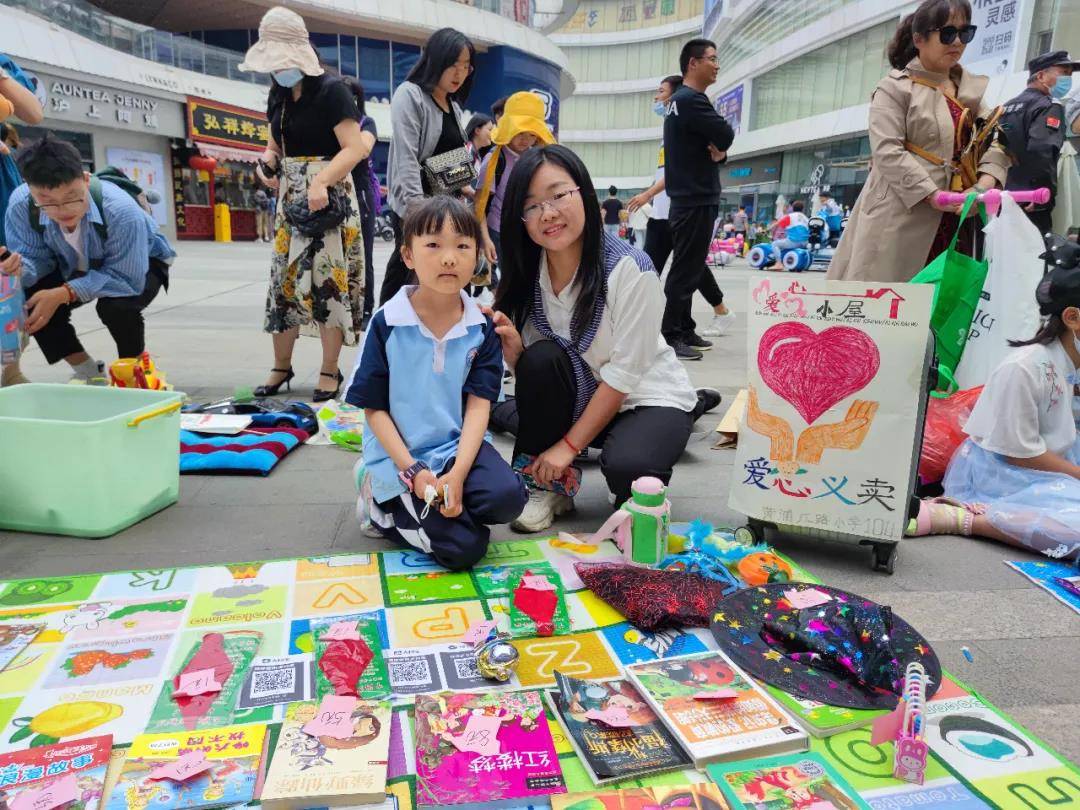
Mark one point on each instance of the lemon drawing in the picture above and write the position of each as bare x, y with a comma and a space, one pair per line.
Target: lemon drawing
64, 720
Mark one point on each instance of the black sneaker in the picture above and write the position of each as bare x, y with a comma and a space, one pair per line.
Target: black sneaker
709, 399
696, 341
684, 352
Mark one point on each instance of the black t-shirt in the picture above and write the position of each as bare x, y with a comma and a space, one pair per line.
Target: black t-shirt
611, 207
309, 122
452, 137
361, 175
691, 177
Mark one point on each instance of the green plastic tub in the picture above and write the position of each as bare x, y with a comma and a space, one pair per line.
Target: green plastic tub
86, 461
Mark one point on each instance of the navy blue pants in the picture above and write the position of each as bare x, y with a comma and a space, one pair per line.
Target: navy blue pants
493, 493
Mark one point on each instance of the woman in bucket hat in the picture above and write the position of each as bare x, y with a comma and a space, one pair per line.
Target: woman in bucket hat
316, 282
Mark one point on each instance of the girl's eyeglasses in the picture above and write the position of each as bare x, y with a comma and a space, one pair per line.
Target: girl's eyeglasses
949, 33
558, 202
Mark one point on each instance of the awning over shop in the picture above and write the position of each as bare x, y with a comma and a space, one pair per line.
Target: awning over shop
212, 150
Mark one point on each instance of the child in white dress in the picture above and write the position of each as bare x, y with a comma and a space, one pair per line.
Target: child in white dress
1017, 477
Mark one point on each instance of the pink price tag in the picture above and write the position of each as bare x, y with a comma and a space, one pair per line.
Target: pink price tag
537, 582
811, 597
201, 682
481, 735
341, 631
478, 632
180, 770
717, 694
887, 727
58, 792
614, 716
333, 718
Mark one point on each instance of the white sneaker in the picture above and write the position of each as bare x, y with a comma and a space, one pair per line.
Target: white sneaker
541, 510
719, 326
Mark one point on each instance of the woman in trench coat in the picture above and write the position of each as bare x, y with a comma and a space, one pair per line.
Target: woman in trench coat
896, 228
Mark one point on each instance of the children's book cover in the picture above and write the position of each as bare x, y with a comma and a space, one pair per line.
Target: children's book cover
704, 796
350, 667
714, 710
608, 752
490, 750
234, 754
14, 638
308, 771
229, 655
780, 783
86, 759
820, 719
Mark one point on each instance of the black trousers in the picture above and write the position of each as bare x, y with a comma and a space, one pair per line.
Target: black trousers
397, 274
367, 230
644, 441
658, 247
121, 316
691, 232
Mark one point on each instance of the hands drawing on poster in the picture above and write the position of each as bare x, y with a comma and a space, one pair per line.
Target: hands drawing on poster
848, 434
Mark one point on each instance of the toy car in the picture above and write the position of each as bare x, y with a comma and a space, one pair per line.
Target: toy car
265, 412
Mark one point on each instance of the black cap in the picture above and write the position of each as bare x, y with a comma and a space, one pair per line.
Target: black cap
1049, 60
1059, 289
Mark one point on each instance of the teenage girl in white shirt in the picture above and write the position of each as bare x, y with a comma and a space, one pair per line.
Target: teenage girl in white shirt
1017, 477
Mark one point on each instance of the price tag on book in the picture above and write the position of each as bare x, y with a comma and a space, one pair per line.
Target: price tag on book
333, 718
614, 716
478, 632
717, 694
183, 768
811, 597
481, 735
537, 582
341, 631
200, 682
57, 793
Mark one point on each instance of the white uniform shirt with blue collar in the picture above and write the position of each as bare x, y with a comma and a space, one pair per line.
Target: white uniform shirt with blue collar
423, 382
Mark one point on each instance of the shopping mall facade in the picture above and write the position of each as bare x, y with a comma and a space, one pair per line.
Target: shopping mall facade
154, 87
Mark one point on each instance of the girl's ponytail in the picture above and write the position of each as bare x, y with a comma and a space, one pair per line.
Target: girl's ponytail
1052, 329
901, 49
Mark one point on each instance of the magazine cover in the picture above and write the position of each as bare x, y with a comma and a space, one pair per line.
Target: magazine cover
41, 767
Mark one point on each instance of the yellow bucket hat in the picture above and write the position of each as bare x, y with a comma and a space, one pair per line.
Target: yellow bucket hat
524, 112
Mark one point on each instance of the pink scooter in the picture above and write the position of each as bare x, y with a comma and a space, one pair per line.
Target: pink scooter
992, 198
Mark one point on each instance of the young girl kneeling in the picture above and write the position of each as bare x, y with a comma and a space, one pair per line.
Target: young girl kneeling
430, 367
1015, 478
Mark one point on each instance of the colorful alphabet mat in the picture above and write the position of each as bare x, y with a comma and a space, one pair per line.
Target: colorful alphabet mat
114, 641
1060, 579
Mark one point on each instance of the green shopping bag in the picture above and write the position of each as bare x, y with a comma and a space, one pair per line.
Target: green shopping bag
958, 283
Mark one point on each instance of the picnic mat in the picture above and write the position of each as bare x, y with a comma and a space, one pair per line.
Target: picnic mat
113, 641
1062, 580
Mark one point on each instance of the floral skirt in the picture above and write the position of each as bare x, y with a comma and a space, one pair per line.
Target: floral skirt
315, 282
1038, 510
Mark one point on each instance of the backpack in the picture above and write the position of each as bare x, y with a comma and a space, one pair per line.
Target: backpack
110, 174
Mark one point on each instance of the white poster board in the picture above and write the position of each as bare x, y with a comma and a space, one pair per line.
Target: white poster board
995, 48
148, 170
835, 372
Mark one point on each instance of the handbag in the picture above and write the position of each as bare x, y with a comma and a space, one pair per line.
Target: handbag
958, 281
449, 172
299, 215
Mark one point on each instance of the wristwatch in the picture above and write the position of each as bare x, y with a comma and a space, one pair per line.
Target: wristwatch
409, 474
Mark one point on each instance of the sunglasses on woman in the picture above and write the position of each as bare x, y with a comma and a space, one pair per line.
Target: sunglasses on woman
949, 33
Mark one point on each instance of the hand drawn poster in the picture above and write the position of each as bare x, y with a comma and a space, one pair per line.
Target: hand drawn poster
836, 371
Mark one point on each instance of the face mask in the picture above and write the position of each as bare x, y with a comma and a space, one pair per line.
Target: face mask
289, 77
1061, 87
659, 108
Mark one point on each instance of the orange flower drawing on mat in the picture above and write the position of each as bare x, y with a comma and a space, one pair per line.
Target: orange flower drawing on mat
788, 456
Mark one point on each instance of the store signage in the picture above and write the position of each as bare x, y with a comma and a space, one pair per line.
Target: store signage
85, 102
816, 186
178, 186
729, 105
214, 122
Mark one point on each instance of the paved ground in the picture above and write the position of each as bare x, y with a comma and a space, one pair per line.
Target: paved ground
206, 334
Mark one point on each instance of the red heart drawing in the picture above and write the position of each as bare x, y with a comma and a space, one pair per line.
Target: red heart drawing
813, 371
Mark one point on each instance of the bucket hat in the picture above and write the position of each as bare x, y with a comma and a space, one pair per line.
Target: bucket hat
524, 112
283, 43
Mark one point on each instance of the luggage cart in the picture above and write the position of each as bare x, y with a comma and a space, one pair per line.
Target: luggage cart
884, 552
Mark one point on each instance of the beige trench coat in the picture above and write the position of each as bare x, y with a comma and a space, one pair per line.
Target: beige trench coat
891, 228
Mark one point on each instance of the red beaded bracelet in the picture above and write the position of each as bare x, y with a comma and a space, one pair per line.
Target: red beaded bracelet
571, 446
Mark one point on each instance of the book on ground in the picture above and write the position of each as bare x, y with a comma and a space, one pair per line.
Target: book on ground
747, 723
222, 424
308, 771
701, 796
611, 753
821, 719
778, 783
39, 769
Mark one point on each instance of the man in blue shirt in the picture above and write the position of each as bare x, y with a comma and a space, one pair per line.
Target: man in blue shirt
78, 239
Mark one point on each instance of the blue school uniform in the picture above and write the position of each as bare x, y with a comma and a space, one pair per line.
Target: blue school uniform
424, 383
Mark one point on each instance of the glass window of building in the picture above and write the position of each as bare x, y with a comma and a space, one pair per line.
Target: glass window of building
657, 58
347, 54
405, 56
623, 111
374, 59
326, 46
839, 75
1055, 25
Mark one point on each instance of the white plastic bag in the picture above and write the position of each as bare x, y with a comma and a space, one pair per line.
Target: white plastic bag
1007, 310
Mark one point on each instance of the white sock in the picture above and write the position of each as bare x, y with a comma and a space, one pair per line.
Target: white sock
87, 369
